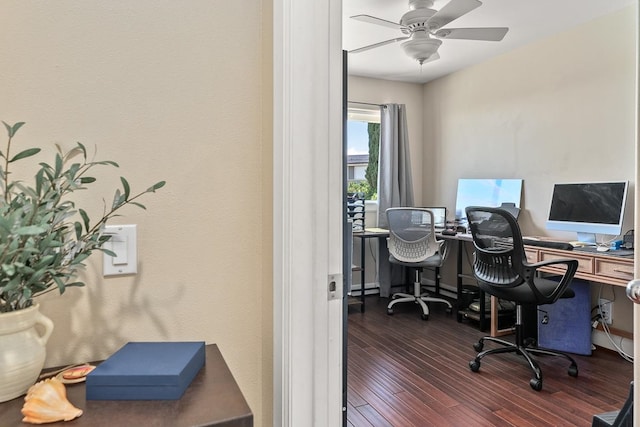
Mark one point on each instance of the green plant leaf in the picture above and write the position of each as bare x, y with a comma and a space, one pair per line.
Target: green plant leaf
87, 180
85, 218
9, 269
59, 164
24, 154
125, 187
156, 186
118, 199
59, 283
78, 228
78, 259
11, 130
140, 205
109, 252
30, 230
39, 180
83, 149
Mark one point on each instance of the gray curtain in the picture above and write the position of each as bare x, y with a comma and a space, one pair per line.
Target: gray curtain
395, 187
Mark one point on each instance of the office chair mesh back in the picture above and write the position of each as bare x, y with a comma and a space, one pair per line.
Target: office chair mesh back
411, 235
497, 260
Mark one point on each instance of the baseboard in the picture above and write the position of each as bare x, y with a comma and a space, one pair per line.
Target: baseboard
369, 289
599, 338
445, 289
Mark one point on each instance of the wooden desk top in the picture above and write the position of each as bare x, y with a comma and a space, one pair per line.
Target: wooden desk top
212, 399
371, 232
601, 267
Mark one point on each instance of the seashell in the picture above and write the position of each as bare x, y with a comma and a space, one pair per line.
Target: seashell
46, 402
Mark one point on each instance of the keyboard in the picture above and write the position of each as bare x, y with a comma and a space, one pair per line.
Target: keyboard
551, 244
612, 252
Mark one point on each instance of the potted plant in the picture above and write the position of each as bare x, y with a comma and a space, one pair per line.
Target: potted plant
44, 240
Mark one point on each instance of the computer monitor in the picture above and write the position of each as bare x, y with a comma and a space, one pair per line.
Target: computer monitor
439, 216
588, 208
486, 192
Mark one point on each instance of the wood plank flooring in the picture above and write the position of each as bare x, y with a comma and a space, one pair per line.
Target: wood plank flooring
403, 371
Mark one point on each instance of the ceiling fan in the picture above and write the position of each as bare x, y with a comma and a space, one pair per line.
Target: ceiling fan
422, 28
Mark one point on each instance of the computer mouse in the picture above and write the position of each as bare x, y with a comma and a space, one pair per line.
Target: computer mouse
602, 249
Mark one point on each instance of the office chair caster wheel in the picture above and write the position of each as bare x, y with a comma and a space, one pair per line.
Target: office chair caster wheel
474, 365
390, 311
536, 384
573, 371
425, 317
478, 346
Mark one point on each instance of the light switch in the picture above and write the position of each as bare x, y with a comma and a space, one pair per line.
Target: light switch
119, 246
123, 244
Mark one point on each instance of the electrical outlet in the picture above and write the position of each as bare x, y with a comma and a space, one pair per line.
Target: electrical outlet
606, 310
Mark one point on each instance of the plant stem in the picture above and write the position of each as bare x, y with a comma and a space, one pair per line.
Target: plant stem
7, 193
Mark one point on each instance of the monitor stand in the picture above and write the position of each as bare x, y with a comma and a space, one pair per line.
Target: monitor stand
587, 239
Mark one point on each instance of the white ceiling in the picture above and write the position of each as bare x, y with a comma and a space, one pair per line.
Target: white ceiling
528, 20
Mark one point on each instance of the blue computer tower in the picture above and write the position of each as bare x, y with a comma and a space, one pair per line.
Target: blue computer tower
569, 326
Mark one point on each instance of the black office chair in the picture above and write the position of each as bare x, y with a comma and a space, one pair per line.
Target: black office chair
501, 269
412, 243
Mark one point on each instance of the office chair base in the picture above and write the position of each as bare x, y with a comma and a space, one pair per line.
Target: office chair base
420, 300
524, 351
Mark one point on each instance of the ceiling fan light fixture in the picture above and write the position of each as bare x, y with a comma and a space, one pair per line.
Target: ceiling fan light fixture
421, 49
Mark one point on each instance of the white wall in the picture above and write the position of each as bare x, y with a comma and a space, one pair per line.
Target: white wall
174, 92
561, 109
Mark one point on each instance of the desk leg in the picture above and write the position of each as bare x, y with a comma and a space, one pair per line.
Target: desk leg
459, 254
483, 306
362, 272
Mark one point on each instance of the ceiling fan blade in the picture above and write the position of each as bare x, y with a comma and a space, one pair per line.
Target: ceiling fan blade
373, 46
488, 34
452, 11
378, 21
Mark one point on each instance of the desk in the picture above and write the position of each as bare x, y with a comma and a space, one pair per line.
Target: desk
600, 267
212, 399
375, 233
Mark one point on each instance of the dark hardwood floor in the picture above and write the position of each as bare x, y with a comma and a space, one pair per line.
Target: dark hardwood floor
403, 371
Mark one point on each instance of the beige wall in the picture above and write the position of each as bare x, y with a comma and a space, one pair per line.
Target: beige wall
561, 109
557, 110
175, 93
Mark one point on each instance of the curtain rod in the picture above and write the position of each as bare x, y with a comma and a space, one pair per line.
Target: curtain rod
365, 103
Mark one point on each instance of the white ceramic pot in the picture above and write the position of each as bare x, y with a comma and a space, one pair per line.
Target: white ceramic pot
22, 350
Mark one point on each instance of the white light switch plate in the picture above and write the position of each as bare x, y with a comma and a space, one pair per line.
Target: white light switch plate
123, 243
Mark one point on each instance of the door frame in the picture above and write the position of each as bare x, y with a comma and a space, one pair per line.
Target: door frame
307, 199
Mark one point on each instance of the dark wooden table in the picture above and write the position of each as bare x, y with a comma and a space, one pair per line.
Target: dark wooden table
212, 399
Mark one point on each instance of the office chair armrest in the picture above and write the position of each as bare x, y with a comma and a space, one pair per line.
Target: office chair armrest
443, 248
572, 267
572, 264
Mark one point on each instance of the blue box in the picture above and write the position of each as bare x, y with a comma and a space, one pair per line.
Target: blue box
569, 327
147, 371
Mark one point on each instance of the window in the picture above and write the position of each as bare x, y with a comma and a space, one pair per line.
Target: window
363, 139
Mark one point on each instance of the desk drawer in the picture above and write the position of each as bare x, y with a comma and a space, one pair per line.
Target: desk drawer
532, 255
585, 262
617, 269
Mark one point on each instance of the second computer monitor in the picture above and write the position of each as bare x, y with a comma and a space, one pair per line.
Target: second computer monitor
439, 216
486, 192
